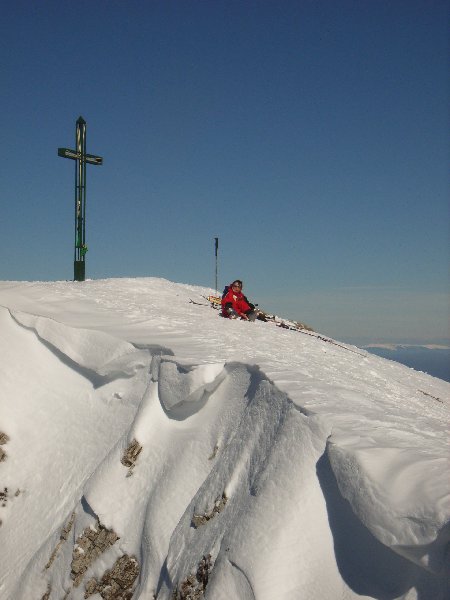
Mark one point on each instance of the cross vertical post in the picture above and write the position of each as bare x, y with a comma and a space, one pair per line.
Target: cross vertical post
80, 157
80, 201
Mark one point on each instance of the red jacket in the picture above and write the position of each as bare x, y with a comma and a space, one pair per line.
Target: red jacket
238, 302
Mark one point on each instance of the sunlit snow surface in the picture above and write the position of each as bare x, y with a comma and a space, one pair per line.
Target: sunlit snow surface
328, 465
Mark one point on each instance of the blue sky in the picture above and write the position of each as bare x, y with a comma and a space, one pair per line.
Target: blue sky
311, 137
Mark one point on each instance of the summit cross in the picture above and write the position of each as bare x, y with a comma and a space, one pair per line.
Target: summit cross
81, 157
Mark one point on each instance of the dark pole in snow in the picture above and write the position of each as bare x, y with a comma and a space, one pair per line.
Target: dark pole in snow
216, 246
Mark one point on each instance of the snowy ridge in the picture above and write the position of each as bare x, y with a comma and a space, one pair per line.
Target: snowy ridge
265, 464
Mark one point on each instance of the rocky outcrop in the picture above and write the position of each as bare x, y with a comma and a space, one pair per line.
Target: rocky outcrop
4, 439
219, 505
93, 542
130, 456
62, 538
117, 582
194, 586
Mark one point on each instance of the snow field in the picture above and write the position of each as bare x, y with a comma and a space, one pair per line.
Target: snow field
290, 466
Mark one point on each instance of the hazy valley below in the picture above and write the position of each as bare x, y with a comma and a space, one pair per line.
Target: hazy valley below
432, 360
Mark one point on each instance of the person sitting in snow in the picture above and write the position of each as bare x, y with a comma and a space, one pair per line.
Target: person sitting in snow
235, 305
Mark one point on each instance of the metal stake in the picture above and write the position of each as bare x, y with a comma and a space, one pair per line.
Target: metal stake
216, 246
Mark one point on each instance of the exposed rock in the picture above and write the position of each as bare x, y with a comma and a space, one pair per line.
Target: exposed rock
46, 596
4, 439
214, 452
219, 505
117, 582
193, 587
88, 547
62, 538
130, 456
431, 396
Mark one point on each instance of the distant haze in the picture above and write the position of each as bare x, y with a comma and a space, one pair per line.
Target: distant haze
434, 360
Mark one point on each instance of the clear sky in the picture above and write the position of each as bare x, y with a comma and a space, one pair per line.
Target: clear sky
310, 136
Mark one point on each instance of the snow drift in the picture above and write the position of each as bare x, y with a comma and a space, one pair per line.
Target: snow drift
154, 450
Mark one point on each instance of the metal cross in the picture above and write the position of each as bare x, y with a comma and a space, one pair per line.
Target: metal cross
81, 158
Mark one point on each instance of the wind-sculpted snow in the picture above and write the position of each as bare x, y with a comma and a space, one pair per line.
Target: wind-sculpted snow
195, 457
54, 412
395, 493
92, 350
250, 534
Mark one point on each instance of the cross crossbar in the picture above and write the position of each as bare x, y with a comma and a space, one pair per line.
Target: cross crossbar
74, 155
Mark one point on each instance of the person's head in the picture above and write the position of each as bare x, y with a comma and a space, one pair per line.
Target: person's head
236, 285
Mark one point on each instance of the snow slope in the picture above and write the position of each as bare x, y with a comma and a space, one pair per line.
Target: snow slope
193, 456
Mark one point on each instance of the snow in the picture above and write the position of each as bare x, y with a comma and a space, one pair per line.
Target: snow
285, 465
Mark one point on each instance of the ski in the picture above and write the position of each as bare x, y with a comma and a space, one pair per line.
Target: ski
215, 302
198, 303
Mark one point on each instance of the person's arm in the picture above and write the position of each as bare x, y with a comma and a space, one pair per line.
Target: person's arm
252, 306
227, 302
